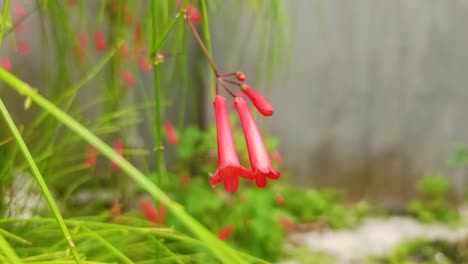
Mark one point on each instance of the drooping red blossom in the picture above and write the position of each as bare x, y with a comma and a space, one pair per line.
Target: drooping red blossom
124, 51
285, 222
229, 167
73, 2
91, 155
5, 63
99, 40
127, 77
143, 63
276, 156
151, 213
224, 233
18, 10
192, 12
262, 105
258, 155
170, 132
240, 76
22, 46
118, 147
116, 209
279, 199
162, 214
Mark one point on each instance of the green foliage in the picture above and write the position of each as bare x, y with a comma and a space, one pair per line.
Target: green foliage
433, 203
325, 206
427, 252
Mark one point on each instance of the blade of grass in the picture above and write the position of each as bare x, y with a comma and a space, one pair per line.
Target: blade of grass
40, 180
109, 246
14, 237
223, 252
6, 7
9, 251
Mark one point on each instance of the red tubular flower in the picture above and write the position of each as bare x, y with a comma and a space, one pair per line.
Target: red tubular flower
258, 154
143, 63
151, 213
170, 133
224, 233
285, 222
262, 105
127, 77
5, 63
124, 50
19, 11
91, 156
22, 46
99, 41
229, 167
118, 147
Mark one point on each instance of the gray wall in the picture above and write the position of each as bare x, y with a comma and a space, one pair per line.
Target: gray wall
376, 94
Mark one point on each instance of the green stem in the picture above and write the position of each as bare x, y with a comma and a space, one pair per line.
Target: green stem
206, 31
39, 179
6, 7
157, 96
9, 252
223, 252
165, 34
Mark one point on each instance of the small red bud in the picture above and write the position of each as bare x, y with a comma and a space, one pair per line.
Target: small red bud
5, 63
124, 50
99, 41
127, 77
91, 156
22, 46
262, 105
170, 132
19, 11
225, 232
143, 63
118, 147
285, 222
279, 199
149, 210
240, 76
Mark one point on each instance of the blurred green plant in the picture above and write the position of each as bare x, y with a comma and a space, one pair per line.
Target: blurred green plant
433, 203
425, 251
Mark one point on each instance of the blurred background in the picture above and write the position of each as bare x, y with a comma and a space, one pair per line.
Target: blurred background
373, 96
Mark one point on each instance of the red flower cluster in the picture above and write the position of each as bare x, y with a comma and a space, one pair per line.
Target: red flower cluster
229, 167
